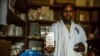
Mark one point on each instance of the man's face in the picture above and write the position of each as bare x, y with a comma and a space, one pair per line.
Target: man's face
68, 13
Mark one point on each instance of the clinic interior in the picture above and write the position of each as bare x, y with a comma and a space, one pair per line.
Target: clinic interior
25, 23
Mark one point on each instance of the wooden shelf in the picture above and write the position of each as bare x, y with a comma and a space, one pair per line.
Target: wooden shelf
14, 19
55, 7
58, 6
2, 25
88, 8
85, 22
35, 39
13, 38
43, 21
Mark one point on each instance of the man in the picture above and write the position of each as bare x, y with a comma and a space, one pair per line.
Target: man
70, 38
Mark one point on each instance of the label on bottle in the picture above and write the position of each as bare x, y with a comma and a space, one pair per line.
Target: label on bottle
50, 39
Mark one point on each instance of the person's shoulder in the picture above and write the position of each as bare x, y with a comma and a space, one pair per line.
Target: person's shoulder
79, 26
56, 24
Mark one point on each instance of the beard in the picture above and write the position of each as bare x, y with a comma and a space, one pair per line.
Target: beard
67, 20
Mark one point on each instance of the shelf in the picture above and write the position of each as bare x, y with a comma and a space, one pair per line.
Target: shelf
12, 37
58, 7
88, 8
2, 25
85, 22
35, 39
94, 42
14, 19
55, 7
43, 21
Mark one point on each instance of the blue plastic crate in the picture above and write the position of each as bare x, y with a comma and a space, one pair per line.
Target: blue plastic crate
30, 53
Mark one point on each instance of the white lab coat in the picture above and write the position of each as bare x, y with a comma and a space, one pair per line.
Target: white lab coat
65, 41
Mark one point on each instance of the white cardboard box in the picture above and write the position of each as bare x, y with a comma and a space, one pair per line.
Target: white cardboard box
50, 39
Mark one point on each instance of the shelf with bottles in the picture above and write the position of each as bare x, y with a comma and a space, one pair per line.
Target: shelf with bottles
36, 30
16, 21
13, 30
86, 14
37, 34
35, 45
9, 47
12, 33
17, 48
89, 17
45, 14
58, 6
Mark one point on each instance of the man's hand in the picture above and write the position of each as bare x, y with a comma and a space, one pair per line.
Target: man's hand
48, 49
79, 47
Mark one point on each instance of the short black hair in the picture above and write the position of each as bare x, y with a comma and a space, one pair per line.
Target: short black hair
71, 4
